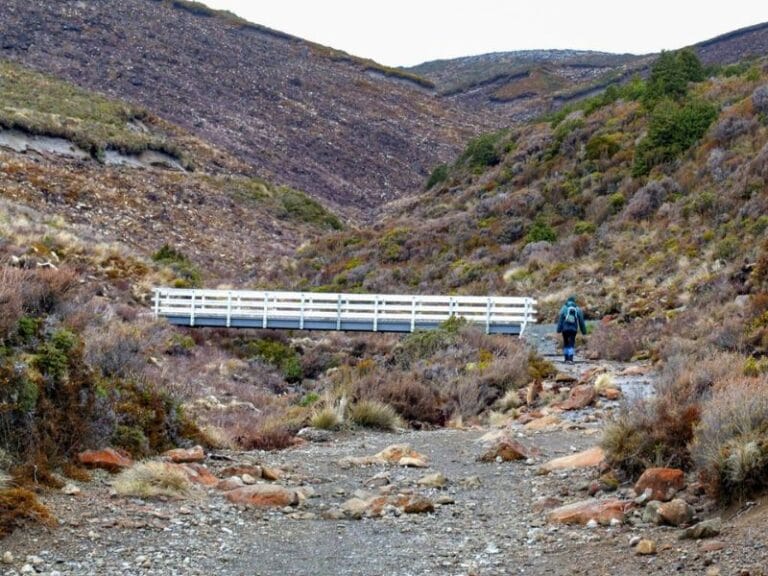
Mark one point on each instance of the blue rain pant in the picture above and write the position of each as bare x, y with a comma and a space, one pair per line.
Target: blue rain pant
569, 344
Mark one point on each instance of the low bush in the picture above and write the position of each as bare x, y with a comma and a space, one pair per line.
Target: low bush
731, 441
412, 399
18, 505
188, 274
326, 419
438, 176
270, 433
373, 414
616, 341
151, 480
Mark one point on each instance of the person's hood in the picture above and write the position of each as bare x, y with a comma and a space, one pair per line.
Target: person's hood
571, 300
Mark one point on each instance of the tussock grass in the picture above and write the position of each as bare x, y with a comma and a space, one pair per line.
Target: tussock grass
152, 479
373, 414
326, 419
18, 505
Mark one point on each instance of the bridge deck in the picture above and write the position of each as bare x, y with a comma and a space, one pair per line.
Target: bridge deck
347, 312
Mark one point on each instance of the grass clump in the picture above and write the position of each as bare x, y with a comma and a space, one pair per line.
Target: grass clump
188, 274
373, 414
731, 441
151, 480
325, 419
298, 206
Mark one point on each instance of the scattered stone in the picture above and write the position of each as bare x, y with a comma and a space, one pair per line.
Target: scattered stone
651, 512
546, 503
471, 482
185, 455
543, 423
410, 462
419, 505
272, 474
712, 571
263, 495
377, 481
71, 490
586, 459
445, 500
27, 569
646, 547
706, 529
8, 558
592, 524
315, 435
248, 479
602, 511
634, 541
436, 480
663, 483
402, 455
230, 471
565, 378
712, 546
231, 483
581, 396
199, 474
507, 449
610, 393
676, 512
107, 459
634, 371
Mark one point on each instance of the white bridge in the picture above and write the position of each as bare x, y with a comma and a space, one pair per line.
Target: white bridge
348, 312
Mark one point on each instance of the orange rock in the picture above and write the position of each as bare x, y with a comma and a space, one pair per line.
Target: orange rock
419, 505
543, 423
199, 474
610, 393
663, 483
581, 397
229, 471
585, 459
271, 474
263, 495
396, 452
184, 455
507, 449
602, 511
108, 459
231, 483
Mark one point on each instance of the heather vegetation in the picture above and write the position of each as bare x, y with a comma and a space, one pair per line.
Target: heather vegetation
648, 202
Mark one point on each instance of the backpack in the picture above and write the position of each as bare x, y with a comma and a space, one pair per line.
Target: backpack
571, 316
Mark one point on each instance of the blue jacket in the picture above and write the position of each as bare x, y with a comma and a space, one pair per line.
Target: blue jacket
562, 326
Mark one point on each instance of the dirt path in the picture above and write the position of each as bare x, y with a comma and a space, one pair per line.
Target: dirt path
489, 523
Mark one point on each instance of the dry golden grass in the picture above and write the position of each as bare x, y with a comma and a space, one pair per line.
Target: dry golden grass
325, 418
152, 479
373, 414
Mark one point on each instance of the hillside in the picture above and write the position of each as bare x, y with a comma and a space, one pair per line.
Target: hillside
340, 128
525, 84
551, 207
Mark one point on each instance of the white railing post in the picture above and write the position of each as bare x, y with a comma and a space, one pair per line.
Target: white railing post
526, 313
413, 314
192, 310
266, 306
301, 313
376, 313
338, 312
451, 307
157, 303
488, 315
229, 308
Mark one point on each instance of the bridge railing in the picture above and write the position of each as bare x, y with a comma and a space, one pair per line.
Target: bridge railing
325, 311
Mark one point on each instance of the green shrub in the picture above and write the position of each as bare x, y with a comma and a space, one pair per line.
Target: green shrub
438, 175
584, 227
539, 231
279, 355
602, 146
189, 275
298, 206
481, 152
673, 128
671, 73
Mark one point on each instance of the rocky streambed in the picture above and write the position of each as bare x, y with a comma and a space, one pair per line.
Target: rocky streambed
356, 505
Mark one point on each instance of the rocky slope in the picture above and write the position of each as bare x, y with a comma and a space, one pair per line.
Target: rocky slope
525, 84
340, 128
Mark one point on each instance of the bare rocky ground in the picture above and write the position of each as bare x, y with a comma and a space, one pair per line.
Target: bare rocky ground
489, 519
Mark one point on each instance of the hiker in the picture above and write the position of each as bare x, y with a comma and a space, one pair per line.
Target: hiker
570, 321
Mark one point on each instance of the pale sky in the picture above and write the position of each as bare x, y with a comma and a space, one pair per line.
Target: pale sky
408, 32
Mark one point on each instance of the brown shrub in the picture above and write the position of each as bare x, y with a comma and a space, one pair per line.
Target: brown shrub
266, 434
412, 399
731, 441
11, 303
616, 341
18, 505
43, 290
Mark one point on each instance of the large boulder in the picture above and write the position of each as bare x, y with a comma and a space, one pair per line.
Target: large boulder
660, 483
602, 511
676, 512
580, 397
263, 495
506, 449
107, 459
185, 455
594, 456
